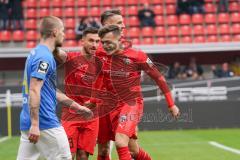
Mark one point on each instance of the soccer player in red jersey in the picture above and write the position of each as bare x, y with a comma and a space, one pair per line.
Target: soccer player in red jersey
122, 76
81, 72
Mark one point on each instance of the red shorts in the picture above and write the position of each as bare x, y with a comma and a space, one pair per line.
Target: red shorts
82, 135
122, 120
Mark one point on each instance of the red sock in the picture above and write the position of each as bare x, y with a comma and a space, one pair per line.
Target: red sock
142, 155
103, 157
123, 153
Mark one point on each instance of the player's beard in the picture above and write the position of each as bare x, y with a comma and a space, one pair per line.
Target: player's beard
88, 52
112, 48
58, 43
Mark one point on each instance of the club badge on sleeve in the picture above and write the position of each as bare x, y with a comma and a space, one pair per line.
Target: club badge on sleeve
43, 67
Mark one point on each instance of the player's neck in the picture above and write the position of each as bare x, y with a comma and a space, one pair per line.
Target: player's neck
85, 54
49, 43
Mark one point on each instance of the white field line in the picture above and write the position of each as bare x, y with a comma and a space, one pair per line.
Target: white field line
226, 148
3, 139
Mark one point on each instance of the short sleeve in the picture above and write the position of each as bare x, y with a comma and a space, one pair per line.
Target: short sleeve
144, 59
41, 67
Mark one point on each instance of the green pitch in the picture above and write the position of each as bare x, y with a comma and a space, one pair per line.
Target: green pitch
168, 145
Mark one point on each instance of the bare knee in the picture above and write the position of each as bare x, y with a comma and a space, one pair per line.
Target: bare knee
121, 140
82, 155
104, 149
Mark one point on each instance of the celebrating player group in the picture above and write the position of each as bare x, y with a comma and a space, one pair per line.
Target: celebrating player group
102, 99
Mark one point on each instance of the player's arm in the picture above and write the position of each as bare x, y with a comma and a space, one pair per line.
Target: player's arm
148, 66
60, 55
62, 98
34, 103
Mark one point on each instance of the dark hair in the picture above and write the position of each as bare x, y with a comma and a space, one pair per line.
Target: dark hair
110, 28
109, 13
90, 30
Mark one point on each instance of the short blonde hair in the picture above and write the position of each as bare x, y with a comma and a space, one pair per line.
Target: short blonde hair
48, 24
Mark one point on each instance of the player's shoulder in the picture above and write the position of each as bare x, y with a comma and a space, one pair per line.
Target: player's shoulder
135, 53
41, 53
73, 54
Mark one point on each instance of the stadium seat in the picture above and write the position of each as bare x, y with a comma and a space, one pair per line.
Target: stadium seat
147, 31
132, 10
186, 39
44, 3
158, 9
173, 31
57, 12
32, 35
173, 40
198, 30
70, 43
70, 23
43, 12
31, 4
210, 18
225, 38
224, 29
18, 36
135, 41
236, 37
133, 21
197, 19
209, 1
172, 20
170, 1
82, 12
234, 7
69, 12
161, 40
94, 3
184, 19
133, 32
147, 41
69, 3
171, 9
95, 11
30, 24
223, 18
56, 3
160, 31
82, 3
107, 2
186, 30
31, 13
236, 28
159, 20
157, 1
119, 3
235, 17
210, 8
212, 38
199, 39
5, 36
105, 8
70, 34
31, 44
122, 9
211, 29
132, 2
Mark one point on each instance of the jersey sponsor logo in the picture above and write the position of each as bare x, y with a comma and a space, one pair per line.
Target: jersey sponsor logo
123, 118
127, 60
43, 67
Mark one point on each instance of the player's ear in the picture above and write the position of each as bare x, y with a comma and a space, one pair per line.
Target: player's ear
55, 32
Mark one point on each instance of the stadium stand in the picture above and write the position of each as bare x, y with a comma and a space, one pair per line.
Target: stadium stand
171, 28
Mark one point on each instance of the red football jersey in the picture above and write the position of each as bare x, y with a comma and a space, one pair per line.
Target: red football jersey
81, 80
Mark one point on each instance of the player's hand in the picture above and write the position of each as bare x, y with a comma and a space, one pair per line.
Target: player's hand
34, 134
175, 111
86, 112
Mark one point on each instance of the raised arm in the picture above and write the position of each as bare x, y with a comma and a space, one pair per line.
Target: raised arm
60, 55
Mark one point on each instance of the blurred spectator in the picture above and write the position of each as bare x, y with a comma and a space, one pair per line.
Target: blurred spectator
83, 24
146, 16
193, 70
235, 66
16, 14
4, 18
223, 6
196, 6
175, 71
183, 7
223, 72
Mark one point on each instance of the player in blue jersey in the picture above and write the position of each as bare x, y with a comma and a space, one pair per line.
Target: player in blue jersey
41, 132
